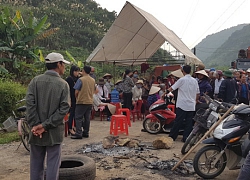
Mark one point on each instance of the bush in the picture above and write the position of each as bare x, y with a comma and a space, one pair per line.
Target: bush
10, 93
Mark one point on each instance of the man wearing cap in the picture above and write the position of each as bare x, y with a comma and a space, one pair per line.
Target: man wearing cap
217, 82
84, 91
137, 91
108, 82
47, 101
188, 91
228, 89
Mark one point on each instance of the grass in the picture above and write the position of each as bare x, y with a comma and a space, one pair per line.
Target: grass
9, 137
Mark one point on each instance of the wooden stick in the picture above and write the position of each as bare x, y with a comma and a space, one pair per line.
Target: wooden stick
203, 137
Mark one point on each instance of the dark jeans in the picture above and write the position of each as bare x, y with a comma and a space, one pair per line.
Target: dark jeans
82, 110
127, 100
245, 169
178, 123
71, 116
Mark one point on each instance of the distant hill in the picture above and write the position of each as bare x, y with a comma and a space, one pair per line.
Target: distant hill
206, 48
228, 51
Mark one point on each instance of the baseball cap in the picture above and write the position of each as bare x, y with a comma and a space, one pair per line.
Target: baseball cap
55, 57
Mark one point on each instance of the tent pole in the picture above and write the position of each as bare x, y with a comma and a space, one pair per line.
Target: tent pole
114, 73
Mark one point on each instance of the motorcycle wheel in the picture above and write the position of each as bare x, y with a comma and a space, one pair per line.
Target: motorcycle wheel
152, 126
191, 141
203, 162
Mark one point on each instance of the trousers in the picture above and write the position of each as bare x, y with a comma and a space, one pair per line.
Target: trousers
245, 169
37, 156
82, 111
178, 123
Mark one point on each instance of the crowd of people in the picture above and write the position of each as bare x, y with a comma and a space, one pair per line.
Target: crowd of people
132, 88
49, 98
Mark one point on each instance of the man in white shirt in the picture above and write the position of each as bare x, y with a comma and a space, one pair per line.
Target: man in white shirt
217, 82
188, 92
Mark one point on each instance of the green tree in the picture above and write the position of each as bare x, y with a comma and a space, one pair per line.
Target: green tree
18, 50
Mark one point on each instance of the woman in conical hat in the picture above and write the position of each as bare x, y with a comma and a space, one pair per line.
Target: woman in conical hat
153, 95
204, 85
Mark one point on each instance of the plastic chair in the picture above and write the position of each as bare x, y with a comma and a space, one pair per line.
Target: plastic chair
118, 106
137, 110
66, 126
145, 105
118, 124
100, 110
127, 111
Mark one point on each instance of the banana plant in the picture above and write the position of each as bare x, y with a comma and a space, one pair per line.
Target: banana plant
73, 60
18, 38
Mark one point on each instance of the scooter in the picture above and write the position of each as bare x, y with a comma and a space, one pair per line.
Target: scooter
160, 117
204, 119
229, 145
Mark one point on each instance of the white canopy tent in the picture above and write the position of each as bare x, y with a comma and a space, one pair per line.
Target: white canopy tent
134, 37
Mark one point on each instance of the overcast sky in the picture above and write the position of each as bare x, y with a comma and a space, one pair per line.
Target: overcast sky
191, 20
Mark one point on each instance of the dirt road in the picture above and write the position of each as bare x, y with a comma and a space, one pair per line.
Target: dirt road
14, 162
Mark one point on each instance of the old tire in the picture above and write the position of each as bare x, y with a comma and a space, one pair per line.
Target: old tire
204, 166
152, 126
76, 167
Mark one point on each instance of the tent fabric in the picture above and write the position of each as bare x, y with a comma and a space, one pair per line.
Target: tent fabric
137, 35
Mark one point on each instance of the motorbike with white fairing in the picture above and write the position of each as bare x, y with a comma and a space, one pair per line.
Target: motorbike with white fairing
229, 145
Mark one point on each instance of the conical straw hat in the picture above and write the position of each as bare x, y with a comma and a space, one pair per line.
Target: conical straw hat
154, 90
156, 85
177, 73
106, 75
112, 108
203, 72
118, 81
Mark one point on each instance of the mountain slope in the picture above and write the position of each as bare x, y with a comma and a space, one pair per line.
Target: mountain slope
228, 51
210, 44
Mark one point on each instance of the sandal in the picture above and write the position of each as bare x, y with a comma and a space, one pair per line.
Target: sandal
71, 132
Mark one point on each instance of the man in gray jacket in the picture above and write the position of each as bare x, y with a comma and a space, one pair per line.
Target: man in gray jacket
48, 101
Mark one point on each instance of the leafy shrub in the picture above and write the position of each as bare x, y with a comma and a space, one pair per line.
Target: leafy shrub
10, 93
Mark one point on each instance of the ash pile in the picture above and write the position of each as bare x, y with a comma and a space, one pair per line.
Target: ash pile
186, 168
115, 146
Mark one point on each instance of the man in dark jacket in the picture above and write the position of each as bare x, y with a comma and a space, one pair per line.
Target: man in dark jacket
48, 101
228, 89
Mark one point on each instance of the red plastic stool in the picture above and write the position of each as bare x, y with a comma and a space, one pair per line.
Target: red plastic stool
118, 124
172, 107
127, 111
66, 126
117, 105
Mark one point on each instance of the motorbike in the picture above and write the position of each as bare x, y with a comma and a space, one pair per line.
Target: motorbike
160, 117
204, 119
229, 145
